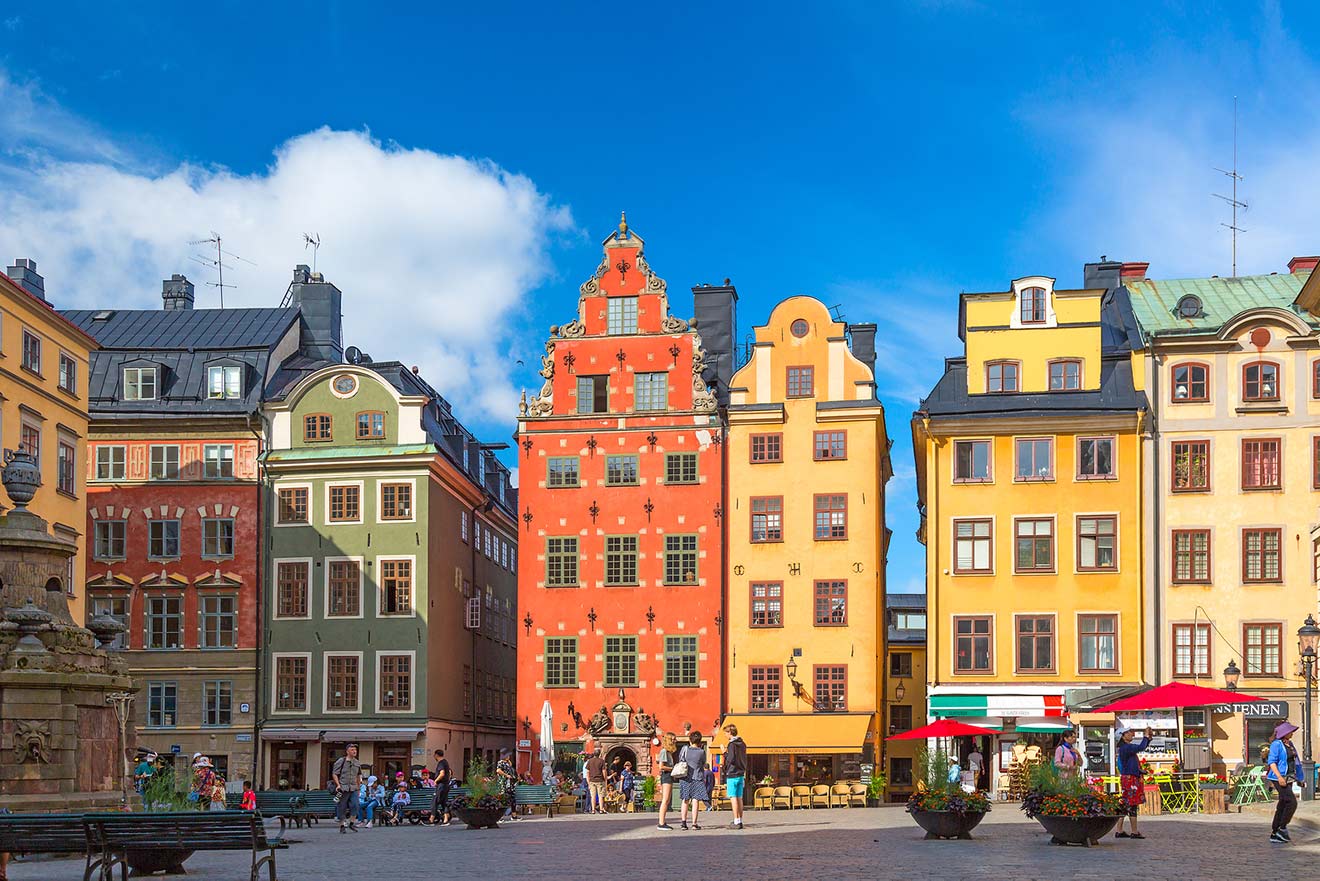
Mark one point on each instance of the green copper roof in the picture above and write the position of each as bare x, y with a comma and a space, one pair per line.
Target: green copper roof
1155, 302
312, 454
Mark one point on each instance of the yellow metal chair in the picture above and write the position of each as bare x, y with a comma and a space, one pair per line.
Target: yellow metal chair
1180, 793
839, 795
801, 795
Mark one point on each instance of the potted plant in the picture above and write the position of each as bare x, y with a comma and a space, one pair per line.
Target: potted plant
484, 802
1069, 808
875, 789
940, 807
648, 794
161, 796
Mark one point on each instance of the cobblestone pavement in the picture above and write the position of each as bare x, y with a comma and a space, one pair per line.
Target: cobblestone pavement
877, 843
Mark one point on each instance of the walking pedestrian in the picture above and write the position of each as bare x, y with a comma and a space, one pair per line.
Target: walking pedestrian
443, 779
346, 774
627, 782
1282, 774
1129, 777
508, 780
665, 760
975, 764
1066, 757
594, 775
692, 785
735, 773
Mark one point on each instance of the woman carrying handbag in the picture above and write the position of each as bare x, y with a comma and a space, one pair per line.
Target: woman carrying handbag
692, 785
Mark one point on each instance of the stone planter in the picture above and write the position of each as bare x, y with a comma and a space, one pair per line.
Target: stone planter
480, 818
1085, 831
150, 860
947, 824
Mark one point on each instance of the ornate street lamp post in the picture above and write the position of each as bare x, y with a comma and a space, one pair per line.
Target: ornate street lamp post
1308, 641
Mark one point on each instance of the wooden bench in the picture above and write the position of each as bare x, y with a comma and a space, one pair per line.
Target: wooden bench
46, 833
115, 834
537, 795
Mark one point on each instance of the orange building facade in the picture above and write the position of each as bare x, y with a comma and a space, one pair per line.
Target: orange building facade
620, 582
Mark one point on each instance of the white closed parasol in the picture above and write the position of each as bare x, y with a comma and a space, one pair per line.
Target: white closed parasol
547, 738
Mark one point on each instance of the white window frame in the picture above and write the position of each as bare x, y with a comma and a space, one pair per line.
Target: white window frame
151, 462
228, 373
123, 462
138, 374
275, 684
71, 374
412, 682
325, 683
206, 461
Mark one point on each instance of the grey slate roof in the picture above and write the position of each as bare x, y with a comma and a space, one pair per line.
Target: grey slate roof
908, 602
183, 328
1116, 394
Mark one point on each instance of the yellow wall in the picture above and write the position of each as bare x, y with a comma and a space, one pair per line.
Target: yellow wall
914, 695
858, 559
1072, 332
37, 399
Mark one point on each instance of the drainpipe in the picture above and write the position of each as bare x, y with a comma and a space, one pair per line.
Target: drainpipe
262, 668
1156, 499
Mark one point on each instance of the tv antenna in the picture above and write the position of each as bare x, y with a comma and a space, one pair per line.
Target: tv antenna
218, 263
1233, 200
312, 241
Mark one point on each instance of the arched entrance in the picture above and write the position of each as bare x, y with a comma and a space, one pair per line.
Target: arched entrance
623, 754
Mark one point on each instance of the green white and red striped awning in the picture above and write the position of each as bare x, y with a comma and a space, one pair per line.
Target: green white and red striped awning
945, 706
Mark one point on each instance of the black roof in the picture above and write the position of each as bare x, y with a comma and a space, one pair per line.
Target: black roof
158, 329
905, 601
1115, 395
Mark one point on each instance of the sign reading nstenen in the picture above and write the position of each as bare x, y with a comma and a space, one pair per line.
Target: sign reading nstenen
1256, 710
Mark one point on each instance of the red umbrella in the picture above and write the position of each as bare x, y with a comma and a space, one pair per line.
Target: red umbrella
942, 728
1177, 694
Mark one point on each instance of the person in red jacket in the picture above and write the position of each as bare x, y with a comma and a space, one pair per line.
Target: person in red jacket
249, 796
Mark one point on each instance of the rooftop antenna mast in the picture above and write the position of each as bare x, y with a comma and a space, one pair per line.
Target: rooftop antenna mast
218, 263
313, 241
1233, 200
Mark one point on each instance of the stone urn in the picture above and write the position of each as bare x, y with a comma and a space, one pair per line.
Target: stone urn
106, 628
21, 477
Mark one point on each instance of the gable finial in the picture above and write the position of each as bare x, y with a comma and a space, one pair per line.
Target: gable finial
623, 223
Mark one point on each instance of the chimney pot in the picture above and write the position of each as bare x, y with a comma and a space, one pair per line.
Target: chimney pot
1133, 271
177, 292
1303, 264
24, 274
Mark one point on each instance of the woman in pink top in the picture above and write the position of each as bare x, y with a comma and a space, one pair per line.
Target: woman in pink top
1066, 757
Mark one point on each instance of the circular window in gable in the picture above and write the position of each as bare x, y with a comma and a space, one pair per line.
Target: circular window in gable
799, 328
345, 385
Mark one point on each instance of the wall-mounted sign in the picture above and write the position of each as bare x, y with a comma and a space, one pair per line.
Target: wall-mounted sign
242, 738
175, 748
245, 708
524, 744
1256, 709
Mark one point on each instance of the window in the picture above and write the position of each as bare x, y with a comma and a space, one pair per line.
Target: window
463, 525
767, 603
831, 688
900, 718
801, 382
109, 539
345, 503
164, 462
561, 562
561, 659
1035, 458
117, 608
467, 697
680, 468
68, 378
217, 702
218, 538
1065, 376
317, 428
291, 684
620, 662
831, 517
620, 470
766, 688
767, 448
1262, 555
1260, 381
66, 479
395, 682
1035, 643
293, 504
1001, 376
139, 383
1261, 467
1031, 305
162, 704
831, 603
110, 462
219, 459
29, 440
900, 665
900, 771
163, 539
561, 471
767, 518
593, 394
1315, 463
1097, 636
971, 461
396, 587
973, 547
291, 581
371, 425
31, 352
1034, 541
1262, 649
341, 682
396, 501
681, 661
680, 559
164, 622
621, 315
1191, 556
345, 588
1189, 659
620, 559
1095, 458
799, 327
1096, 537
910, 620
650, 391
1191, 383
1191, 466
830, 445
972, 649
224, 382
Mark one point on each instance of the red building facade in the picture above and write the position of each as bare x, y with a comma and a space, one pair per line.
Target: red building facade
620, 586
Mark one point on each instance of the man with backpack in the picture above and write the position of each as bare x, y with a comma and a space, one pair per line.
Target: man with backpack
347, 776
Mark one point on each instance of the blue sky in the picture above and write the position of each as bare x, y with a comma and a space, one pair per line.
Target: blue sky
462, 164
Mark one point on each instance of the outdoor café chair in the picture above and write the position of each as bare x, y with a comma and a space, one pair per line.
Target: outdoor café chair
783, 797
762, 798
839, 795
801, 795
857, 793
1249, 786
1181, 794
820, 796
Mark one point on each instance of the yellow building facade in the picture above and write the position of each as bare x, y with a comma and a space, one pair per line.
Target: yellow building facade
904, 689
808, 459
43, 408
1029, 466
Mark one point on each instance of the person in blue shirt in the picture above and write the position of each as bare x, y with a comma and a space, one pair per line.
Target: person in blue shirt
1129, 775
1283, 767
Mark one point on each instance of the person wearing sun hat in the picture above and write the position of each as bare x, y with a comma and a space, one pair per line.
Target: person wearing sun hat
1129, 770
1282, 774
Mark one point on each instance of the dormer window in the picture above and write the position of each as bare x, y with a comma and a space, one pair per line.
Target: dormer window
1260, 382
1001, 376
1031, 306
1190, 307
1065, 376
1191, 382
139, 383
224, 382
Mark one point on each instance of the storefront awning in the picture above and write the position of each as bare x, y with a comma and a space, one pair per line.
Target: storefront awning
299, 734
1042, 725
803, 733
343, 735
1001, 705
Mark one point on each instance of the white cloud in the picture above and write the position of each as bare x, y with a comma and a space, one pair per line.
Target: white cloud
32, 126
435, 254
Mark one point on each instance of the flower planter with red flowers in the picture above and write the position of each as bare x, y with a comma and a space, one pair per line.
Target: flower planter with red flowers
948, 813
1074, 817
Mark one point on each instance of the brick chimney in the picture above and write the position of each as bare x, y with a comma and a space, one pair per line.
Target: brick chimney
177, 292
1133, 271
1302, 264
24, 274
